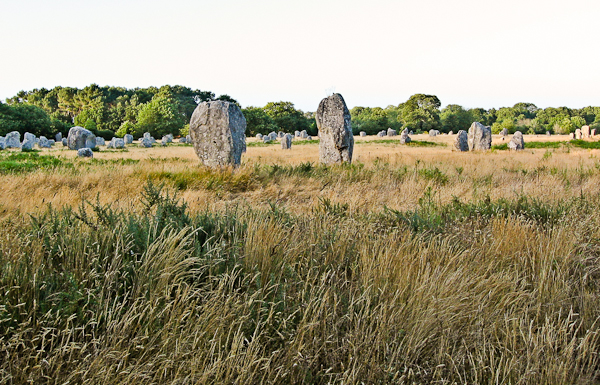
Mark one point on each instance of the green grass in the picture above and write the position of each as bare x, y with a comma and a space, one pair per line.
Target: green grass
21, 162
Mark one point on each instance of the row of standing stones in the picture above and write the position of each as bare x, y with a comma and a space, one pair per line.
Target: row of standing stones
217, 131
79, 139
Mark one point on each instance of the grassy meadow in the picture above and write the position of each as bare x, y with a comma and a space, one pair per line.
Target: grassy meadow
413, 265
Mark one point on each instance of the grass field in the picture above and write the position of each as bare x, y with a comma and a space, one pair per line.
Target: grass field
415, 265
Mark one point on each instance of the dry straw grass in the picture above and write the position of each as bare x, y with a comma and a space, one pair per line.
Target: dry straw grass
417, 265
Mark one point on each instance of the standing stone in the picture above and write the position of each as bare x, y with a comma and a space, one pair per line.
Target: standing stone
145, 142
266, 139
592, 132
218, 133
100, 141
52, 142
381, 134
182, 140
128, 138
79, 137
58, 137
404, 138
504, 132
547, 133
29, 140
572, 135
585, 131
280, 134
363, 134
117, 143
13, 139
335, 130
309, 137
479, 137
391, 132
85, 152
578, 134
461, 143
188, 139
44, 142
286, 142
451, 133
297, 134
432, 132
2, 143
259, 136
517, 142
303, 134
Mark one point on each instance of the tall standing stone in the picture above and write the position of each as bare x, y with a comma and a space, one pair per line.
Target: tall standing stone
218, 131
404, 138
79, 137
335, 130
517, 142
286, 142
461, 143
479, 137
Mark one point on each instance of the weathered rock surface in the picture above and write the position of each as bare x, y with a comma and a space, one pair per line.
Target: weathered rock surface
585, 131
404, 138
381, 134
479, 137
100, 141
146, 142
504, 132
117, 143
517, 142
434, 132
335, 130
2, 143
13, 139
182, 140
259, 136
297, 134
218, 133
391, 132
461, 143
44, 142
64, 142
58, 137
578, 134
79, 137
85, 152
303, 134
128, 138
29, 141
266, 139
362, 133
547, 133
286, 142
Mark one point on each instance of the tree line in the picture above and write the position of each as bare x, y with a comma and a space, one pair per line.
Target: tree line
116, 111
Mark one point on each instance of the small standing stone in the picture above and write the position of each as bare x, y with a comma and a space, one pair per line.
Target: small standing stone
64, 142
303, 134
128, 138
297, 134
516, 143
404, 138
391, 132
145, 142
335, 130
266, 139
58, 137
547, 133
363, 134
85, 152
451, 133
504, 132
592, 132
2, 143
100, 141
182, 140
381, 134
578, 134
286, 142
44, 142
461, 143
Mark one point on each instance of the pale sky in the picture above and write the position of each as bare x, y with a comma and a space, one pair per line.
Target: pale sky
475, 53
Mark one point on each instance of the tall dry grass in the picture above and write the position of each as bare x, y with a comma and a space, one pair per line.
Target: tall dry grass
480, 268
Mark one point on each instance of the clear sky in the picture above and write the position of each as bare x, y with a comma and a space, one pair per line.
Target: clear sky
477, 53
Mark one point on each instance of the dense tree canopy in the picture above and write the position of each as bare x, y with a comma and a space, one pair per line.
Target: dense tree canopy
115, 111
